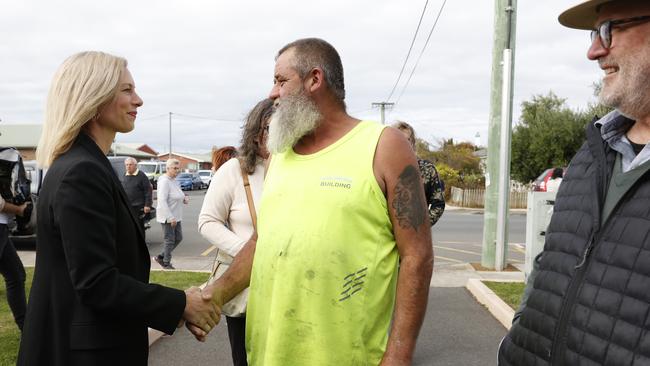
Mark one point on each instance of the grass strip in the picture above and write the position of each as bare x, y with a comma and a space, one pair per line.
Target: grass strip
10, 336
509, 292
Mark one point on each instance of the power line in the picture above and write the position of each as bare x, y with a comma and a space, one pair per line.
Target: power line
422, 52
206, 118
152, 117
409, 52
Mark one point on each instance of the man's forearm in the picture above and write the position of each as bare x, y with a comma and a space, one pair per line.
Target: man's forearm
237, 277
410, 307
10, 208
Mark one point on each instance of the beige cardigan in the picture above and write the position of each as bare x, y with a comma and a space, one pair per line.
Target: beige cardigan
225, 204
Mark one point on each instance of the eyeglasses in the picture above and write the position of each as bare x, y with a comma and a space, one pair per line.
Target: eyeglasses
604, 31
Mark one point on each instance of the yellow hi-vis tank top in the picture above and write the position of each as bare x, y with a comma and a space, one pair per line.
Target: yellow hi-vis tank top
325, 270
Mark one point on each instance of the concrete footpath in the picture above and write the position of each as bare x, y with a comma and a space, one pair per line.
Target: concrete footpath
457, 330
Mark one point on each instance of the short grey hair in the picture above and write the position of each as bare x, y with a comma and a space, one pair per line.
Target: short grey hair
315, 52
172, 162
130, 160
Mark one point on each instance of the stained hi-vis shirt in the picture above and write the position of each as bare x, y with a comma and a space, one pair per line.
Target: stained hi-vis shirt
325, 269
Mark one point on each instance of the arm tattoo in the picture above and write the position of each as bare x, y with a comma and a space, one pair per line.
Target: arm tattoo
409, 199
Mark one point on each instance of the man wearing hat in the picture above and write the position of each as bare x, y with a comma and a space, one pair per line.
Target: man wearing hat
588, 300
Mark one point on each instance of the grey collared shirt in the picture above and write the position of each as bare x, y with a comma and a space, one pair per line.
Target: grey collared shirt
613, 127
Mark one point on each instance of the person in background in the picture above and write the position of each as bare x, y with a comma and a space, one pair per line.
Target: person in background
169, 212
222, 155
91, 301
225, 219
434, 190
553, 183
138, 189
11, 267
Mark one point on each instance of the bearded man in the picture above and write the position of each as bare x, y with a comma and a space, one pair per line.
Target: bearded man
587, 300
342, 204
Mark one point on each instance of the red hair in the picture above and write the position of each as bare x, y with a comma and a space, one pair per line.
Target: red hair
222, 155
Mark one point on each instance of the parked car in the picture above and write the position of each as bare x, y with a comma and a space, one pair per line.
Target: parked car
189, 181
206, 177
118, 166
539, 184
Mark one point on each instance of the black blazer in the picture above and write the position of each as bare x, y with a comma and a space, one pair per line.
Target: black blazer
91, 302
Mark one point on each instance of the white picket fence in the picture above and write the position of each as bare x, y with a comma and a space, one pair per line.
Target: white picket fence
476, 198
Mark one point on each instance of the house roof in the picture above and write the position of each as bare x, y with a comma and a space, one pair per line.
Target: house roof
137, 145
199, 158
121, 149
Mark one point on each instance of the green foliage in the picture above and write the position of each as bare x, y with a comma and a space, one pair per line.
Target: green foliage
458, 156
548, 135
9, 333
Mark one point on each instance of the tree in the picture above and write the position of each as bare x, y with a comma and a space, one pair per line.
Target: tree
458, 156
548, 135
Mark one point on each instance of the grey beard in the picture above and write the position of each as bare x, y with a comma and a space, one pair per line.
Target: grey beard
295, 117
629, 96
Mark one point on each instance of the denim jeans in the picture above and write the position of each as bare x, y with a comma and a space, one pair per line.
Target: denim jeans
172, 236
13, 272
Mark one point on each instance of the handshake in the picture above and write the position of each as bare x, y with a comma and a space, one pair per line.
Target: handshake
202, 311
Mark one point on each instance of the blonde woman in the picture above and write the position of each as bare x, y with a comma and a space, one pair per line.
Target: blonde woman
225, 219
91, 302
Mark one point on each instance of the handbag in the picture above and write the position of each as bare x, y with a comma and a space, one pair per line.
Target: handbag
237, 306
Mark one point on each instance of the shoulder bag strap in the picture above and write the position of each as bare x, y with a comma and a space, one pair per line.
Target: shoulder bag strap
249, 197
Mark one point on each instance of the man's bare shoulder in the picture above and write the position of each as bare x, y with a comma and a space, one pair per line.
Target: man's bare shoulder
393, 154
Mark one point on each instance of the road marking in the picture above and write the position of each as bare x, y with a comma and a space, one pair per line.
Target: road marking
456, 250
473, 243
518, 249
449, 259
208, 251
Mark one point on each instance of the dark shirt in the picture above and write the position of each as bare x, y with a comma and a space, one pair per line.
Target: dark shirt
138, 189
434, 190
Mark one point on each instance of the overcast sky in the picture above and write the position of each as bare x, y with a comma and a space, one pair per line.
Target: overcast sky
214, 59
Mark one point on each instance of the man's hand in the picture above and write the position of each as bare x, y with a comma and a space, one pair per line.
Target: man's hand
213, 294
173, 223
21, 209
146, 209
201, 313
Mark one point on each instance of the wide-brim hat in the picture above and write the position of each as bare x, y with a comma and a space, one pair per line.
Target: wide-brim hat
582, 16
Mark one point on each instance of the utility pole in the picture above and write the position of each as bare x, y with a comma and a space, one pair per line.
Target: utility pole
170, 135
497, 177
382, 106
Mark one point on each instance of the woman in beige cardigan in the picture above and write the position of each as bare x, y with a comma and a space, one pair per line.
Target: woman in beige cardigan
225, 220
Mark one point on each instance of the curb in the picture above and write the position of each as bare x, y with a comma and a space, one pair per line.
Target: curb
499, 309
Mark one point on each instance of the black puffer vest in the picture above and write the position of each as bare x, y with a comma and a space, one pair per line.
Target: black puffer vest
590, 303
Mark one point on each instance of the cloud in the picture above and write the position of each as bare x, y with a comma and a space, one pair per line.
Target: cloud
215, 59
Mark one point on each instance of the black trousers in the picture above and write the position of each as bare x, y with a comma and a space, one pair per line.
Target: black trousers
237, 336
139, 213
13, 272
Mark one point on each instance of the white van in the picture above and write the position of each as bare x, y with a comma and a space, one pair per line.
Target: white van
153, 170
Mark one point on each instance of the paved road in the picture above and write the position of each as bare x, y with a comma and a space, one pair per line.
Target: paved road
457, 236
456, 331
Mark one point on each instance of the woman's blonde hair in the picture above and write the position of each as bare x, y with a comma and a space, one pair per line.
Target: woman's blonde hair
84, 83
